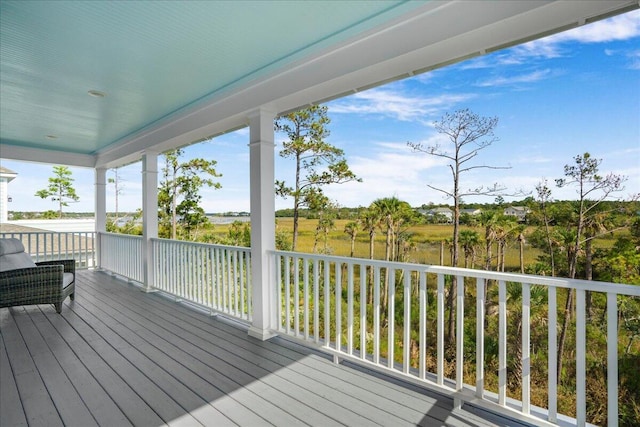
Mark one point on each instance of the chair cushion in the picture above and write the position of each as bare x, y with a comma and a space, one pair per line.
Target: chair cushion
67, 278
14, 261
10, 246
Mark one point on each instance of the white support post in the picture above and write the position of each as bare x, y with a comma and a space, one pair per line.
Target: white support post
149, 213
263, 243
101, 210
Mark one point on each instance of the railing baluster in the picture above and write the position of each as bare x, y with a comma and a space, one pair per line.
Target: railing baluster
316, 301
280, 287
296, 296
502, 343
287, 293
457, 402
236, 306
338, 267
241, 282
305, 265
327, 304
480, 337
423, 326
552, 378
526, 348
391, 315
350, 308
581, 367
406, 347
363, 311
376, 314
248, 284
440, 330
230, 284
612, 359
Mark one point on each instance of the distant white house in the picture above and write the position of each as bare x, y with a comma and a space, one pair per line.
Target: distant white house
472, 212
6, 176
520, 212
445, 213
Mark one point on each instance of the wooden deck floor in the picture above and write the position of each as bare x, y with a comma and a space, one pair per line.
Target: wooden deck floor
117, 356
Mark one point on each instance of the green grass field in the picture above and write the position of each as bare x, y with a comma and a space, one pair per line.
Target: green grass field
426, 239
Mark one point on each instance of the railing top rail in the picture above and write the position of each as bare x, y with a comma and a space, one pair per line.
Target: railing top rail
35, 233
208, 245
124, 236
558, 282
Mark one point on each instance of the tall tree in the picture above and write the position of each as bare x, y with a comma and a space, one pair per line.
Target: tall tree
179, 193
60, 188
467, 134
544, 197
592, 189
317, 163
116, 180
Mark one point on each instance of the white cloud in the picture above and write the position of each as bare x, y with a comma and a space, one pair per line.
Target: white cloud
538, 159
622, 27
634, 59
518, 79
618, 28
391, 169
393, 103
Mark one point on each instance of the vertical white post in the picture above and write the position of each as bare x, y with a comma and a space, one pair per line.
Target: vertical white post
262, 183
149, 213
101, 210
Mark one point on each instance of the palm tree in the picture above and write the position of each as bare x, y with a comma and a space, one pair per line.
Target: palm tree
489, 220
352, 228
521, 242
538, 302
370, 220
469, 240
393, 213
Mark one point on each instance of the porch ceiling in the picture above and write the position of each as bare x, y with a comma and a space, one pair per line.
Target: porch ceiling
177, 72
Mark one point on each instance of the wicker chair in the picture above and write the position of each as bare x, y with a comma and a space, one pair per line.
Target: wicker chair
23, 282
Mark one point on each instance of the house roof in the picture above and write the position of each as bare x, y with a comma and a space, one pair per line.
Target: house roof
90, 83
7, 173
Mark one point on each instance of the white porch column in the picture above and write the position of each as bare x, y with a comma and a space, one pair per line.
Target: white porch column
149, 212
263, 241
100, 210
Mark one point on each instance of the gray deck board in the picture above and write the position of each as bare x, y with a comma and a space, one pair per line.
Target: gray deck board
11, 411
117, 356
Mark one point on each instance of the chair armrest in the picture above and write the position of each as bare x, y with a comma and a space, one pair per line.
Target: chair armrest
68, 264
33, 285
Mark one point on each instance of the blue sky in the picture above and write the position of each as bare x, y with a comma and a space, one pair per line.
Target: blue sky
555, 98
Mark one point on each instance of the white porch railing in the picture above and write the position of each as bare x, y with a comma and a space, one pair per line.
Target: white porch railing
215, 277
122, 254
51, 245
309, 287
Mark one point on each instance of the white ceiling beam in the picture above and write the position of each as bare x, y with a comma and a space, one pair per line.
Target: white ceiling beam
39, 155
